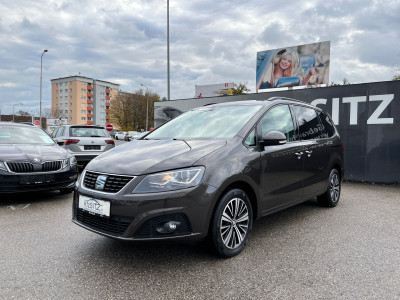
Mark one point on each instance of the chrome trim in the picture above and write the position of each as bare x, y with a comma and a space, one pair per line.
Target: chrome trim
82, 183
29, 173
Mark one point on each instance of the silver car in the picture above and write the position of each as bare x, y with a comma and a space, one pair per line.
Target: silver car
85, 142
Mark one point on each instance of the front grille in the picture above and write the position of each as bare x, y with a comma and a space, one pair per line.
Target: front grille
114, 225
51, 166
27, 167
113, 184
148, 229
20, 167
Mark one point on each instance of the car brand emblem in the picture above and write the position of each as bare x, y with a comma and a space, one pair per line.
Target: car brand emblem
100, 182
92, 142
36, 160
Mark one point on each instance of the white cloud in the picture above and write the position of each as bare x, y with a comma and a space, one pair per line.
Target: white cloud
124, 41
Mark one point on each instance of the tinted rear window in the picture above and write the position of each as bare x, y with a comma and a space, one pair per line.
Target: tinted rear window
309, 125
327, 123
87, 132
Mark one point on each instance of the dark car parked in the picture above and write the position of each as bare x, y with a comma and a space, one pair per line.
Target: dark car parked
211, 171
31, 161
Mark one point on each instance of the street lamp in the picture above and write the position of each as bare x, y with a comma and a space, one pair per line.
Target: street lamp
41, 63
14, 108
147, 106
168, 50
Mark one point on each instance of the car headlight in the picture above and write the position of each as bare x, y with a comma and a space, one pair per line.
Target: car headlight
3, 166
170, 181
65, 163
72, 161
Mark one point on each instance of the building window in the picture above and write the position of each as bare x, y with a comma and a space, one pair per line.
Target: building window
83, 118
83, 90
83, 83
66, 90
83, 97
83, 111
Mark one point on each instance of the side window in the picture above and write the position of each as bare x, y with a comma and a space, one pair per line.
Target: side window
251, 138
279, 118
309, 126
327, 124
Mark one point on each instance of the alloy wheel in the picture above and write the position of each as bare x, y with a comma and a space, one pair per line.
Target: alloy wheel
234, 223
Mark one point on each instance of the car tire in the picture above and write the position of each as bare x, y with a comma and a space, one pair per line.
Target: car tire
116, 137
332, 195
66, 191
231, 223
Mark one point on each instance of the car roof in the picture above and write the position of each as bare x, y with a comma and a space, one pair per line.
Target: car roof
266, 102
14, 124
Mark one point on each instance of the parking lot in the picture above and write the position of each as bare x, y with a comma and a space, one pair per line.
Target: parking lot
305, 252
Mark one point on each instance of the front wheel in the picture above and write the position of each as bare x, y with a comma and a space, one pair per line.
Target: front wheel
232, 223
331, 197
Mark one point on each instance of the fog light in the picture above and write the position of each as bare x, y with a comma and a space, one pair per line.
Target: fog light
167, 227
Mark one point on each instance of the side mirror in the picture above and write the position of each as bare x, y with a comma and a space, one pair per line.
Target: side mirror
274, 138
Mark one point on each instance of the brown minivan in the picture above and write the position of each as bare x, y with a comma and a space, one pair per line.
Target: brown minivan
211, 172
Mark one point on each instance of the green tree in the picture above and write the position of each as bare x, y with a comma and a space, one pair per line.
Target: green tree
396, 77
240, 89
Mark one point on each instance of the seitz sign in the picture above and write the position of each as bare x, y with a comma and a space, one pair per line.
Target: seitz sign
375, 118
366, 115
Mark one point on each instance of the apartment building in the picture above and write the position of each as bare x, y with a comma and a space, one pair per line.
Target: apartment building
82, 100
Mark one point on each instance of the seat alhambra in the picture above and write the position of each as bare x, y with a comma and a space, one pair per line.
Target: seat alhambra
211, 172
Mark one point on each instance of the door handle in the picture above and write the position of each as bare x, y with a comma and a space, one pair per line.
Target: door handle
299, 154
308, 153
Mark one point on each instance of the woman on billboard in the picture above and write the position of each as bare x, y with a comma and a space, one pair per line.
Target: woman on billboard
279, 70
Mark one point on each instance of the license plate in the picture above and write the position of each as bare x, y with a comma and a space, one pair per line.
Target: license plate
36, 179
91, 147
94, 206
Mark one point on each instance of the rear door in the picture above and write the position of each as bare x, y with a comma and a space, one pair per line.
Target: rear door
282, 165
316, 151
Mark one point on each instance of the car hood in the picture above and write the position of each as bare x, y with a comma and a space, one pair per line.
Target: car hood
149, 156
27, 153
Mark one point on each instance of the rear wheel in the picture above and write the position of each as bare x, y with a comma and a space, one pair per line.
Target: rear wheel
331, 197
232, 223
116, 137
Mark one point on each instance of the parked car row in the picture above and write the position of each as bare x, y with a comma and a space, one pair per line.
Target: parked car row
209, 172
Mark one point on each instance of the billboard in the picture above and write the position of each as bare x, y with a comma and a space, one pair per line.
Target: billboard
293, 66
214, 90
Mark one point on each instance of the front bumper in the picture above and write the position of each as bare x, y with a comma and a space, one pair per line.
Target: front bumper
137, 216
13, 183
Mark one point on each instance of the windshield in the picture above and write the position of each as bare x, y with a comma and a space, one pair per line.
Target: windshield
87, 132
219, 122
24, 135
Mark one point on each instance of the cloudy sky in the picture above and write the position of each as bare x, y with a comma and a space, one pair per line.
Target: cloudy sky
125, 41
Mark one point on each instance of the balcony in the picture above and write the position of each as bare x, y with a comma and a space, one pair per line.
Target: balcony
89, 94
107, 104
108, 91
107, 117
89, 101
89, 108
108, 98
89, 87
89, 122
107, 110
89, 115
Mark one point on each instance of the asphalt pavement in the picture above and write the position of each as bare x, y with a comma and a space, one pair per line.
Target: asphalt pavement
305, 252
